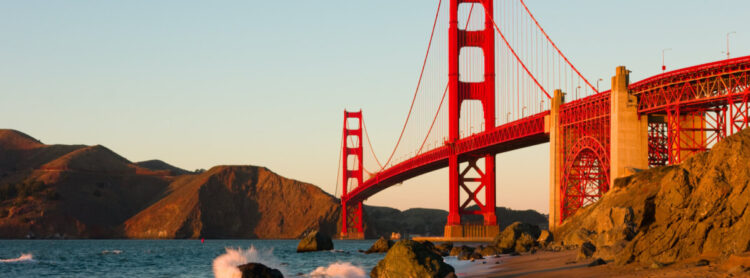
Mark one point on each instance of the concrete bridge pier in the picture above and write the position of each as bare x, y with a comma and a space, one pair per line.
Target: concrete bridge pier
628, 130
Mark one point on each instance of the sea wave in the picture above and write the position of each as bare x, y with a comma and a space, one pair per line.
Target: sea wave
225, 265
23, 258
116, 252
339, 270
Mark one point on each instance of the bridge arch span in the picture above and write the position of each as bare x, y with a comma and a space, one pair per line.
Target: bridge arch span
585, 176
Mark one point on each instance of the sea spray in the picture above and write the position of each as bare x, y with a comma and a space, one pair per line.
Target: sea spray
22, 258
339, 270
225, 265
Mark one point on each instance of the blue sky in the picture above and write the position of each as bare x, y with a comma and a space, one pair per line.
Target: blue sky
203, 83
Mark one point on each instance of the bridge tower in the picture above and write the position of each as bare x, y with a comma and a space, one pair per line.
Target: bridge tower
351, 212
459, 91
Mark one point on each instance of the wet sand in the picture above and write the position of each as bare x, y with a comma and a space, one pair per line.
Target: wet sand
563, 264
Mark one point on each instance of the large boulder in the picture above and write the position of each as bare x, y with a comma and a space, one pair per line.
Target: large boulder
380, 246
315, 241
256, 270
545, 238
586, 250
408, 258
518, 237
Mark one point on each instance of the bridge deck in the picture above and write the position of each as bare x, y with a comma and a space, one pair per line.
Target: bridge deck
525, 132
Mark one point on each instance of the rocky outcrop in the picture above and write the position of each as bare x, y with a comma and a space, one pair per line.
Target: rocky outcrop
256, 270
408, 258
315, 241
380, 246
667, 214
518, 237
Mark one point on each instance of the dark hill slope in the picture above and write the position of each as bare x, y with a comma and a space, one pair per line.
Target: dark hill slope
76, 191
158, 165
237, 202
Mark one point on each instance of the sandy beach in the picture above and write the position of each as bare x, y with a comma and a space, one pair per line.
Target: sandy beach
563, 264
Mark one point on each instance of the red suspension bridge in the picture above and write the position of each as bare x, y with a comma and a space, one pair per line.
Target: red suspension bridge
494, 82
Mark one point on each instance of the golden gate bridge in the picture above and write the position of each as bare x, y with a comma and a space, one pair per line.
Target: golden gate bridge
496, 82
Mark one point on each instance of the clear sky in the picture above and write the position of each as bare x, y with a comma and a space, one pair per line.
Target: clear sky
203, 83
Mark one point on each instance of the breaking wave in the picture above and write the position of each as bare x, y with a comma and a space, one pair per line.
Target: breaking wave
339, 270
225, 265
22, 258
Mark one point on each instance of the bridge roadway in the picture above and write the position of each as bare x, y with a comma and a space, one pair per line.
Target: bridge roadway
716, 83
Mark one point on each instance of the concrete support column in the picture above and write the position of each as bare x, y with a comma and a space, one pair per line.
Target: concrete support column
552, 126
628, 132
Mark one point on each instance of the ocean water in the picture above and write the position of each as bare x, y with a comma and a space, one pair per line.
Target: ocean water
178, 258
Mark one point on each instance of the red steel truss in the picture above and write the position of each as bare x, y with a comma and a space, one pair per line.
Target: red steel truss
351, 212
658, 150
584, 131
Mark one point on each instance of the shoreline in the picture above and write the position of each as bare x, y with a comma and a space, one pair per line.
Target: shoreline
563, 264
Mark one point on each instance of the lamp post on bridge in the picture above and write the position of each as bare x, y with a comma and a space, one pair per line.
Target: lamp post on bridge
597, 84
577, 89
733, 32
663, 66
523, 111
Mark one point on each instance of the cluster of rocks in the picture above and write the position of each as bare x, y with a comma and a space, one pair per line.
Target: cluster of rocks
690, 211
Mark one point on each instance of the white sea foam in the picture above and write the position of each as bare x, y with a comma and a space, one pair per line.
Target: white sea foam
105, 252
339, 270
22, 258
225, 265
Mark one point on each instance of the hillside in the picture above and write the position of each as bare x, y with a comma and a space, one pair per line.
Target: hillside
79, 191
158, 165
431, 222
667, 214
237, 202
72, 190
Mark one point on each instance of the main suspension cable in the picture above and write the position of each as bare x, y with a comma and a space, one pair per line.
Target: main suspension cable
419, 82
555, 46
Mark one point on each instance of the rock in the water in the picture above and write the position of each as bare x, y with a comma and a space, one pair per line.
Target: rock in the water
380, 246
315, 241
518, 237
545, 237
586, 250
256, 270
469, 256
460, 249
408, 258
